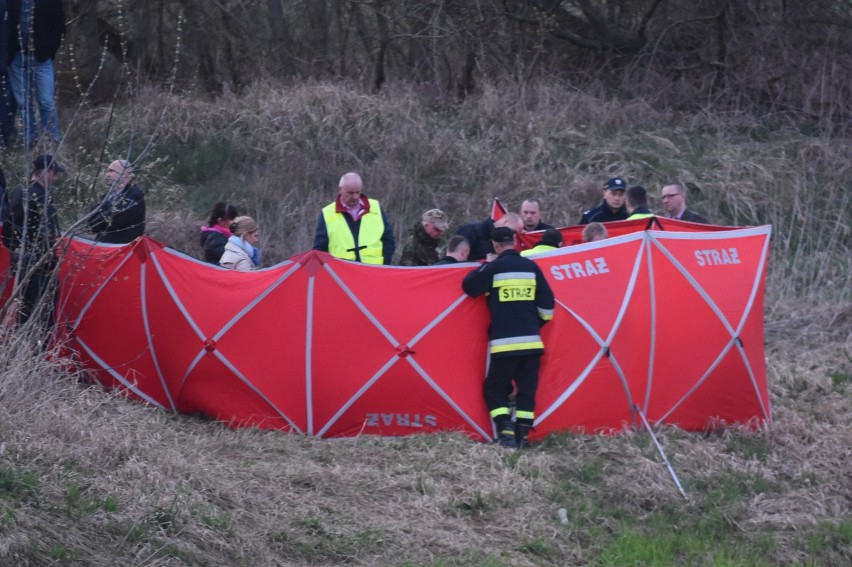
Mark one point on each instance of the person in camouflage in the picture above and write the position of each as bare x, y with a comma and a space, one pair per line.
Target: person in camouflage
421, 248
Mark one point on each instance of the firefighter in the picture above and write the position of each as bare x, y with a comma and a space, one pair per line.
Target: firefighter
520, 302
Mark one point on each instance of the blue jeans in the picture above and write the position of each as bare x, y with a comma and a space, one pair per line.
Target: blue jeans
7, 109
25, 75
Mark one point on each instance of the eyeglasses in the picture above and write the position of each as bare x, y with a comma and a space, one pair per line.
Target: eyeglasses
670, 195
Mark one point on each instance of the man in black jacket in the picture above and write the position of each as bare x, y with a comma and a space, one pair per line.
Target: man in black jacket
478, 234
674, 202
36, 28
531, 214
637, 203
119, 217
612, 208
30, 231
458, 250
520, 302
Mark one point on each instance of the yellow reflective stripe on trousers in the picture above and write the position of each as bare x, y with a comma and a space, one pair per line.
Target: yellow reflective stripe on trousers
525, 415
499, 411
510, 344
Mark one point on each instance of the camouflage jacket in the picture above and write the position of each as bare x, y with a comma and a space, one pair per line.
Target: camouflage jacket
420, 249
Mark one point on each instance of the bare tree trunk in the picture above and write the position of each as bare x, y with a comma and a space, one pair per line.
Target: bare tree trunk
466, 83
161, 47
343, 37
282, 41
435, 47
721, 50
381, 52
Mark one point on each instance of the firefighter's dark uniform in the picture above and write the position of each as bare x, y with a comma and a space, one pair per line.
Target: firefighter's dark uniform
520, 301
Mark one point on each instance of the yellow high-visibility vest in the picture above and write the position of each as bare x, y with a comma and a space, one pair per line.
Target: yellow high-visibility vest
341, 242
538, 248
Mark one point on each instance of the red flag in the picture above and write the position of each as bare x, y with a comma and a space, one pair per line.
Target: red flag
497, 209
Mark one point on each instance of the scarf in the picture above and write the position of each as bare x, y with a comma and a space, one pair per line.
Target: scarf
250, 250
216, 228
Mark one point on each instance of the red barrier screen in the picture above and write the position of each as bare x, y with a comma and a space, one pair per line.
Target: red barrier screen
664, 322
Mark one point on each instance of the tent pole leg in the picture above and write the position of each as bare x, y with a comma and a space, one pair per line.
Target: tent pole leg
662, 453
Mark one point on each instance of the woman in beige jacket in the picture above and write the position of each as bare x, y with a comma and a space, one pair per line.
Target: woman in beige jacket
241, 251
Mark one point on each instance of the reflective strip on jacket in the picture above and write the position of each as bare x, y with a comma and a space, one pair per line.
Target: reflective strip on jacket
519, 300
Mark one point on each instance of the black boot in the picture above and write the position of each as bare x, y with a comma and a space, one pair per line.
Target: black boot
506, 433
522, 431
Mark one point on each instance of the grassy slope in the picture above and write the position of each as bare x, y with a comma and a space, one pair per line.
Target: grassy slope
89, 478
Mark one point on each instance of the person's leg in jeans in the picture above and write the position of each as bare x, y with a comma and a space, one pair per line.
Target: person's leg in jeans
20, 79
43, 82
7, 111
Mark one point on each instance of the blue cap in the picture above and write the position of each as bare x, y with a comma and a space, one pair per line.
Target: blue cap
616, 184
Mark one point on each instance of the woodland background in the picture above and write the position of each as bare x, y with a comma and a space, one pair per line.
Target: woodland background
448, 104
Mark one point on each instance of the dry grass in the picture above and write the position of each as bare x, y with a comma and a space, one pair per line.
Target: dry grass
278, 153
89, 478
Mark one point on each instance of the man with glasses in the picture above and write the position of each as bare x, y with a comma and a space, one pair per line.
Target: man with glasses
674, 203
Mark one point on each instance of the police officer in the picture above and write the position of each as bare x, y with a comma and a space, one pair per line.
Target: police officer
520, 302
612, 208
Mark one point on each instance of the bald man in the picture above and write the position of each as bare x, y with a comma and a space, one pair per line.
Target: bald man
355, 227
119, 216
